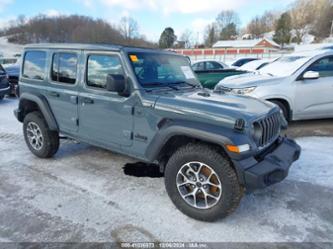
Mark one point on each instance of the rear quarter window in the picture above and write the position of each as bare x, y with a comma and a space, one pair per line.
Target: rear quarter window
34, 65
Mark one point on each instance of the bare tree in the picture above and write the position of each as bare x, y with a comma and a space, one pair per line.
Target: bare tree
322, 24
262, 24
129, 28
187, 38
255, 27
302, 15
72, 28
227, 23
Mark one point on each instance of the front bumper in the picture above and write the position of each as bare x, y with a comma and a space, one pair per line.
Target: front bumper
4, 91
270, 168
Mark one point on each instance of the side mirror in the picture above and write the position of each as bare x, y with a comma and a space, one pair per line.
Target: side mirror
311, 75
115, 83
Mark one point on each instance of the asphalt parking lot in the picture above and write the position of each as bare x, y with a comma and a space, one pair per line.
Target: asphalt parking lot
84, 194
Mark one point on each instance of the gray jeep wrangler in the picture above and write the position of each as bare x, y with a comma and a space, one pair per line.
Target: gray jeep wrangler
148, 104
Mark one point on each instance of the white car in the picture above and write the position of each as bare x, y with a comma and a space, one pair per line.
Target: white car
208, 65
300, 83
255, 65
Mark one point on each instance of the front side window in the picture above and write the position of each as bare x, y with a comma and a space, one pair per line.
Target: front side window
323, 66
64, 66
99, 67
34, 65
200, 66
159, 69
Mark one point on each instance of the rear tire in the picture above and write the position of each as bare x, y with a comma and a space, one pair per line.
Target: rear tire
41, 141
221, 201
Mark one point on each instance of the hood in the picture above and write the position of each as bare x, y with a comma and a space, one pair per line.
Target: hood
249, 80
13, 70
206, 105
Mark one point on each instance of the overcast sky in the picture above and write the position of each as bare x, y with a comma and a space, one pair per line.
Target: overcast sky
152, 15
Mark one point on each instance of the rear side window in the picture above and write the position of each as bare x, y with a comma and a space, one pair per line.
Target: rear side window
212, 65
98, 68
64, 67
34, 65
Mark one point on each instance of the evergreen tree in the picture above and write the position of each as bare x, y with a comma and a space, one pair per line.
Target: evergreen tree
283, 29
167, 38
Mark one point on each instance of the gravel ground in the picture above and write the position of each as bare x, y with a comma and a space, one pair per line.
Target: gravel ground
83, 195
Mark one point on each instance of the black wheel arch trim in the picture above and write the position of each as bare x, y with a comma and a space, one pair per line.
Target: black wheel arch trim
43, 106
200, 131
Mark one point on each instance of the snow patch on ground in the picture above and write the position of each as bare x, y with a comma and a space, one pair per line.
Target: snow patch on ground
316, 162
9, 49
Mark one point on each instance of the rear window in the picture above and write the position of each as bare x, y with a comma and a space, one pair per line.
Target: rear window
64, 68
34, 65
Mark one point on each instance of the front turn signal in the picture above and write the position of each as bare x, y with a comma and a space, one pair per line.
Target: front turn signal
239, 148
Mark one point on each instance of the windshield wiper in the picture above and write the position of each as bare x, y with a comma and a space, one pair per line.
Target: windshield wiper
159, 84
187, 83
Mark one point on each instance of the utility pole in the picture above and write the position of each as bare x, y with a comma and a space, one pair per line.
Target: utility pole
331, 29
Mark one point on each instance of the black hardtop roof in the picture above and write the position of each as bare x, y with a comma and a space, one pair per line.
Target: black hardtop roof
100, 47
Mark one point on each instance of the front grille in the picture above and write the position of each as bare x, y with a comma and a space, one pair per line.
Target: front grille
270, 129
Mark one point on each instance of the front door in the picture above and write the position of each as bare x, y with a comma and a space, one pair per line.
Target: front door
104, 117
314, 97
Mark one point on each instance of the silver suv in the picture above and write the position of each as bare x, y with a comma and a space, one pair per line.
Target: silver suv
301, 84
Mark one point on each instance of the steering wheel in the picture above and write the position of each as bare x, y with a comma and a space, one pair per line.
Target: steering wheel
170, 76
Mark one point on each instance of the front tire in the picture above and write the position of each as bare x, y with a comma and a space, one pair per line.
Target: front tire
41, 141
201, 182
283, 108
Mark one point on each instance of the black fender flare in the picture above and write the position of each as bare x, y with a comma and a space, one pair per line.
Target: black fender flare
43, 106
201, 131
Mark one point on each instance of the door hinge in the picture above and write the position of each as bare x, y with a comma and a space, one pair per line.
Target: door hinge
77, 122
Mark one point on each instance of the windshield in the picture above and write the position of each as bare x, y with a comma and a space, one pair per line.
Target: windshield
285, 66
2, 71
158, 69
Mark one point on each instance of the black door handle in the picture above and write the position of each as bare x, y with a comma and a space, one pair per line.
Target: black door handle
88, 100
54, 94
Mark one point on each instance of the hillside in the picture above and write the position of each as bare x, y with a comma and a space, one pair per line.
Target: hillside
9, 49
72, 29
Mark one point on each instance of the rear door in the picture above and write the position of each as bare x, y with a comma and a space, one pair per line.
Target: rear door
62, 93
314, 97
